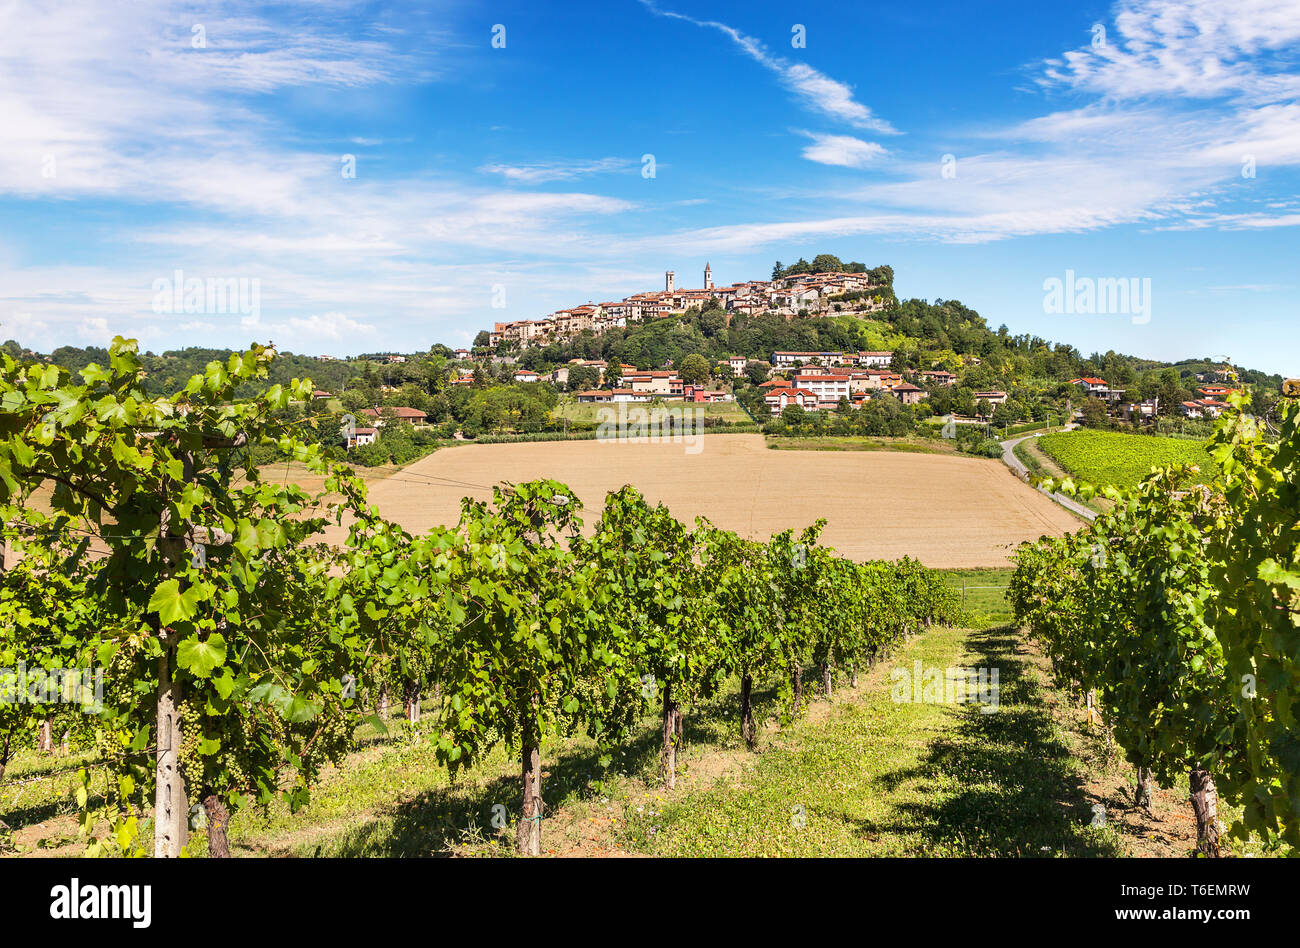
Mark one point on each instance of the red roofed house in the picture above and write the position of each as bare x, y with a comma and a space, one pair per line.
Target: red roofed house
1204, 408
655, 382
910, 394
778, 399
411, 416
698, 393
1093, 386
360, 436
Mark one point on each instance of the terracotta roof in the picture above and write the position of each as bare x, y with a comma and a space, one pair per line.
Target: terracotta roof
401, 411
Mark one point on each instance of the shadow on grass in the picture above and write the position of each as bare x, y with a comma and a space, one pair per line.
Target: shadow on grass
436, 821
1016, 792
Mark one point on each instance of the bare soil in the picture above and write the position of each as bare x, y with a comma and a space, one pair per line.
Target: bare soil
950, 512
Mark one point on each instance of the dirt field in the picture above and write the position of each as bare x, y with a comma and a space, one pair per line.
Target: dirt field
947, 511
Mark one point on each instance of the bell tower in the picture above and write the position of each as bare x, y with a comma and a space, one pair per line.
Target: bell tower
708, 277
668, 281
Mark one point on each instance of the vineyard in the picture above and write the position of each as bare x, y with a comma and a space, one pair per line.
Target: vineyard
181, 624
1115, 459
1174, 616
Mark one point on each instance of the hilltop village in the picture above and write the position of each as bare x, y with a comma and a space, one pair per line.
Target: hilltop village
793, 295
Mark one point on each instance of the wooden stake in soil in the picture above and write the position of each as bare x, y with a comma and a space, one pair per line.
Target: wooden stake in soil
528, 835
1205, 804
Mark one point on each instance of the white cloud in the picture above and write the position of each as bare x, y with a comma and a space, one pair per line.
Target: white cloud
1187, 48
842, 150
331, 326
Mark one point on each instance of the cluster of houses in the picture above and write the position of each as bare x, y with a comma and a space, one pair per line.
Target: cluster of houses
1211, 404
819, 381
787, 296
644, 385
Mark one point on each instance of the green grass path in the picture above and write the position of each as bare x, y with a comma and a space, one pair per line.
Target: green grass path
875, 777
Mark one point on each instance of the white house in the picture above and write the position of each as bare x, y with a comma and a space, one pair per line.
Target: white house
787, 360
881, 360
360, 436
827, 388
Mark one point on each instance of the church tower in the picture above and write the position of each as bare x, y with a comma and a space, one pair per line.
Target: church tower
668, 281
708, 277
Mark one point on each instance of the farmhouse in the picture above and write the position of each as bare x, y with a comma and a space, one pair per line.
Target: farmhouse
910, 394
405, 415
527, 375
359, 437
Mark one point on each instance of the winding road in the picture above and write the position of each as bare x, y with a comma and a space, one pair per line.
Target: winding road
1018, 468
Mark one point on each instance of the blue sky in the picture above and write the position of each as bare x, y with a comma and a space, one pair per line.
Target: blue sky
1142, 140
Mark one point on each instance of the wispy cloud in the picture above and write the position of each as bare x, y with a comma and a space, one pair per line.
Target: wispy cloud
541, 172
813, 88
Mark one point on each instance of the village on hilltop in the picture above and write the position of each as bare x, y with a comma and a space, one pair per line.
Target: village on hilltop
804, 294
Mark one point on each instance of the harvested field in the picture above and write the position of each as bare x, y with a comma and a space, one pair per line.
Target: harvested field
947, 511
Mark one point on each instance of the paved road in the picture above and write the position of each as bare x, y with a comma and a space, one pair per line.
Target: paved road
1022, 472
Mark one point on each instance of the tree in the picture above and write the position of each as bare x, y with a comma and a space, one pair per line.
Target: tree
695, 369
583, 377
1094, 413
